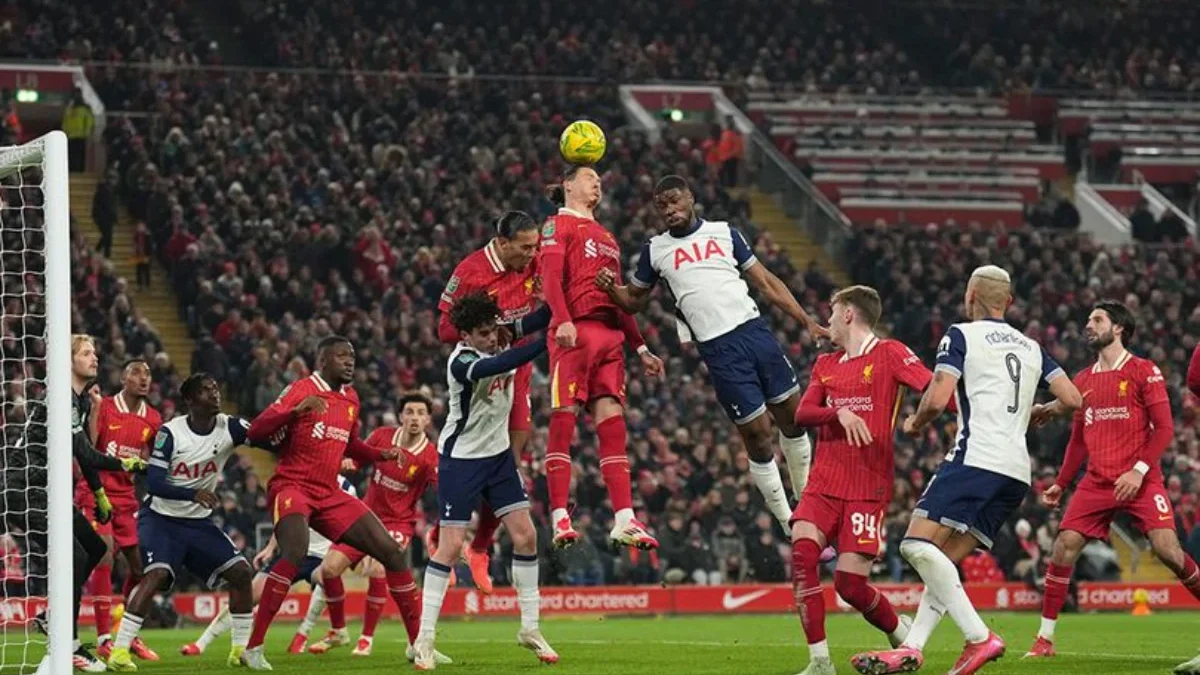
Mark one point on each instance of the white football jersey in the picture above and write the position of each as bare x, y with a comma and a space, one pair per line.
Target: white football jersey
193, 461
318, 545
702, 268
999, 370
477, 422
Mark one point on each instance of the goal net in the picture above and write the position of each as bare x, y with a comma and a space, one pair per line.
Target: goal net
35, 416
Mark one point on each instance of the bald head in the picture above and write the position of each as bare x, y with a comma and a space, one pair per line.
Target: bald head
989, 292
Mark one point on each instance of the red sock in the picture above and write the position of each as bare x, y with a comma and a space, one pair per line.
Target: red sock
128, 585
377, 592
488, 522
404, 592
1190, 576
806, 583
558, 458
335, 600
867, 599
102, 588
614, 461
274, 592
1058, 581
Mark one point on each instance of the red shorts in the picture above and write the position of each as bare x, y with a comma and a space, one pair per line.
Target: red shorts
122, 527
848, 526
401, 532
1093, 507
330, 514
593, 368
521, 417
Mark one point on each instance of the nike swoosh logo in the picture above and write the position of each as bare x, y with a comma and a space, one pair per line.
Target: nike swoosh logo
1164, 517
732, 602
1085, 394
114, 427
866, 541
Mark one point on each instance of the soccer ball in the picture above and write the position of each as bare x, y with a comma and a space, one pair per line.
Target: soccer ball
582, 142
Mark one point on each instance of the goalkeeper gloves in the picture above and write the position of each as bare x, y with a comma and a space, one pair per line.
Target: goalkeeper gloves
103, 506
133, 464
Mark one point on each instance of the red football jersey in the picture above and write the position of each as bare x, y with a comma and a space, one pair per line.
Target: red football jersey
872, 386
1115, 415
587, 248
312, 446
396, 486
122, 433
515, 292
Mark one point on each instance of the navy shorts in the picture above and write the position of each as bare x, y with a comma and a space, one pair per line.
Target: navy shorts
194, 543
970, 499
310, 564
462, 483
748, 370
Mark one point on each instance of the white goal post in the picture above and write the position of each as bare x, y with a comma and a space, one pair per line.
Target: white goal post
38, 282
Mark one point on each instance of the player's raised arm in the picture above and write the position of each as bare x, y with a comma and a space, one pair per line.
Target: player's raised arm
772, 287
635, 296
292, 403
469, 367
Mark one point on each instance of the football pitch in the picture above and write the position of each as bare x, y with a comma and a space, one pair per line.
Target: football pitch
762, 645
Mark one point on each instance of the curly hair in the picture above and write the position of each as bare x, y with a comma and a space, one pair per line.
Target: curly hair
473, 311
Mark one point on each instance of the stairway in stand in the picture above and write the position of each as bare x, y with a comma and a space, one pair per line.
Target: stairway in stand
158, 303
769, 217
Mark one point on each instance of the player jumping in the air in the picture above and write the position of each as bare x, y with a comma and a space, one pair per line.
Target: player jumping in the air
1122, 431
394, 494
175, 526
587, 336
316, 423
475, 462
506, 269
994, 372
853, 397
263, 561
124, 427
702, 265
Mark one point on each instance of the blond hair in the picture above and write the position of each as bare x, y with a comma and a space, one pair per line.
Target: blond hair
865, 301
78, 340
993, 288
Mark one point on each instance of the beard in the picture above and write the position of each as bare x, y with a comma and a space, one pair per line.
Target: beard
1101, 340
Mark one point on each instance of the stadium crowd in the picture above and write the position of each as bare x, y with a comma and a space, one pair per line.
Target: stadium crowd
288, 207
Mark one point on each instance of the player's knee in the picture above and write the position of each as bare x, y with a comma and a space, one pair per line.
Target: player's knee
155, 579
1067, 546
238, 577
394, 560
915, 550
757, 435
1168, 550
523, 534
852, 588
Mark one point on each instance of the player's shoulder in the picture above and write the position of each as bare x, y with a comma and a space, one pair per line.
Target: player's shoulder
1083, 374
828, 359
380, 435
471, 265
897, 349
1146, 369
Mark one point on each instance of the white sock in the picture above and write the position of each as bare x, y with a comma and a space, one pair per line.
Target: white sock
131, 625
798, 453
1047, 629
525, 579
216, 628
929, 615
437, 578
941, 578
76, 644
818, 650
558, 514
316, 606
766, 477
242, 623
623, 517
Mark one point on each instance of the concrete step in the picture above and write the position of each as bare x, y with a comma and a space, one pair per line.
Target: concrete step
768, 216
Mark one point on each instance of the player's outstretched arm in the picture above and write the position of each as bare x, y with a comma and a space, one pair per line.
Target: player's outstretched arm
468, 368
1064, 391
538, 319
778, 294
632, 298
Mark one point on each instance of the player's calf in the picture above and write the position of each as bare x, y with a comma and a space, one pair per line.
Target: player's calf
1165, 545
855, 589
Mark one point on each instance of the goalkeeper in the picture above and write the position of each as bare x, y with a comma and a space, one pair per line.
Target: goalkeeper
25, 484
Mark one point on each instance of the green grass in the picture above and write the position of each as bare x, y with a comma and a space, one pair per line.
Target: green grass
767, 645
